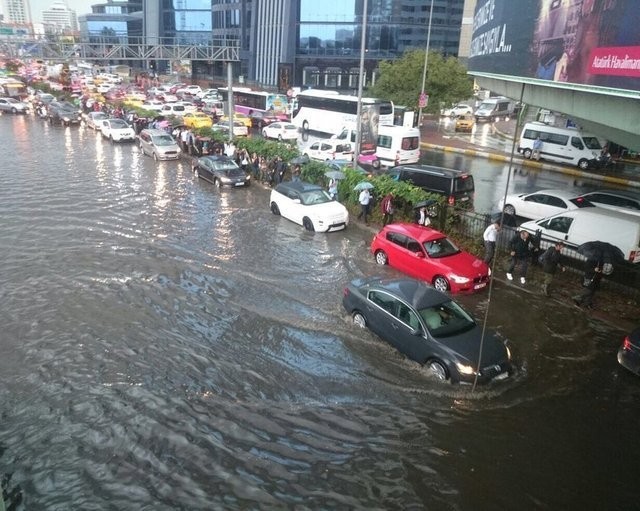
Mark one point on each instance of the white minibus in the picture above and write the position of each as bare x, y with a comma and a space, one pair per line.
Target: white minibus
562, 145
398, 145
578, 226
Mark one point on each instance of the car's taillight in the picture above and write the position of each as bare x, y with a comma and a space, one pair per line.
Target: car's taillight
626, 344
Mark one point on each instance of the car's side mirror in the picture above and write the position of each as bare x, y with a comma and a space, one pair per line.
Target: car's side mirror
296, 201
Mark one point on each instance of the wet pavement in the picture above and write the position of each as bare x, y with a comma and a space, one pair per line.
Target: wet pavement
168, 346
494, 141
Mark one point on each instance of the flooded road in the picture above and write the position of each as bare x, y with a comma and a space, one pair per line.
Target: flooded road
168, 346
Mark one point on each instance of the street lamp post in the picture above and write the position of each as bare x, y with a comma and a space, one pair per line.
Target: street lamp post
426, 60
363, 41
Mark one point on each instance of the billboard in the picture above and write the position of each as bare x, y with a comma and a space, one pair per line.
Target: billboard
586, 42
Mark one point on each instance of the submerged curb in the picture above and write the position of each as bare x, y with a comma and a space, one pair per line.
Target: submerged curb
532, 164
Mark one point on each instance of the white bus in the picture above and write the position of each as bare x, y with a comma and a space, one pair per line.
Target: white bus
248, 102
328, 111
398, 145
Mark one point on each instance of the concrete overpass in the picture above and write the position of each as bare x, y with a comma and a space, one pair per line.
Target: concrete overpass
612, 114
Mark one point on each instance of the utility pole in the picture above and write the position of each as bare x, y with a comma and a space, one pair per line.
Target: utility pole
426, 60
363, 42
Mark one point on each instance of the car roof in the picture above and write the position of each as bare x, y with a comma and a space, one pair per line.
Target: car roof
418, 232
300, 186
563, 194
154, 132
417, 293
433, 170
217, 157
627, 194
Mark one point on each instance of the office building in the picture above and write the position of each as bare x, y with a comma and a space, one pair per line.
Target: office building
59, 18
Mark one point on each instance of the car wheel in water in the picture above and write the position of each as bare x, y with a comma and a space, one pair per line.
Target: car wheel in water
441, 284
218, 184
14, 111
196, 172
264, 134
359, 320
307, 224
305, 126
381, 258
274, 209
155, 157
437, 369
583, 164
509, 210
376, 164
527, 153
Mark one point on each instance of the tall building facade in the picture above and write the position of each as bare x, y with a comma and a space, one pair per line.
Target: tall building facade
117, 19
60, 18
17, 11
306, 42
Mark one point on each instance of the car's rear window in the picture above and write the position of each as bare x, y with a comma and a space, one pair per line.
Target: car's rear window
464, 184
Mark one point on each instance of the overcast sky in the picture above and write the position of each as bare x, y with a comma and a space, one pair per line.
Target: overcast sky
80, 6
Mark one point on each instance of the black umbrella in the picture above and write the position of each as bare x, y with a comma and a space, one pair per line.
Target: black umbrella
433, 208
601, 251
300, 160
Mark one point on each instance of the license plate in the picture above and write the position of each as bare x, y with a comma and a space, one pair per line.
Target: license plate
480, 286
239, 184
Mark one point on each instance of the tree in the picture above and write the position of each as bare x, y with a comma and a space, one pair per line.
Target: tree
401, 80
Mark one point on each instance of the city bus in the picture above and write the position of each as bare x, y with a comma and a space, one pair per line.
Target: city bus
326, 111
12, 88
247, 101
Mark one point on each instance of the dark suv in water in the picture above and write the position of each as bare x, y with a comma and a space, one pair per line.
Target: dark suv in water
64, 114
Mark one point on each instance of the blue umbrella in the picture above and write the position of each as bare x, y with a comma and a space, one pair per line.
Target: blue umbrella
364, 185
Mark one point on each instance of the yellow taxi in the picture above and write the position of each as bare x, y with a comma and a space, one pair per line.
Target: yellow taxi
465, 123
197, 120
244, 119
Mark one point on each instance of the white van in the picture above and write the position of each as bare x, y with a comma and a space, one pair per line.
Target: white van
398, 145
493, 108
562, 145
578, 226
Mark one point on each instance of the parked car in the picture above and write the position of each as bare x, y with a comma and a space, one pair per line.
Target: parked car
620, 200
237, 117
197, 120
158, 144
178, 108
428, 255
459, 109
190, 90
221, 171
93, 120
260, 120
428, 327
63, 113
308, 205
281, 131
239, 129
117, 130
153, 105
14, 106
324, 150
456, 185
629, 352
465, 123
542, 203
207, 92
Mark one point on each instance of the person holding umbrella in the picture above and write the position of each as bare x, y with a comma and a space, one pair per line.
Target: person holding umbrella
364, 199
590, 282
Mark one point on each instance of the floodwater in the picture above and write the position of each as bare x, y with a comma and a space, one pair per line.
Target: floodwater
168, 346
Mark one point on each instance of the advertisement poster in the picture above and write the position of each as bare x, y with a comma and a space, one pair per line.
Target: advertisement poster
368, 129
586, 42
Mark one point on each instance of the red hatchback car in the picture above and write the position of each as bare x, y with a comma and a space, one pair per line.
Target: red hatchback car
429, 255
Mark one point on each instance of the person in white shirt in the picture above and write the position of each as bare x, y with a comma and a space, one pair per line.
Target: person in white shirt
490, 236
364, 198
